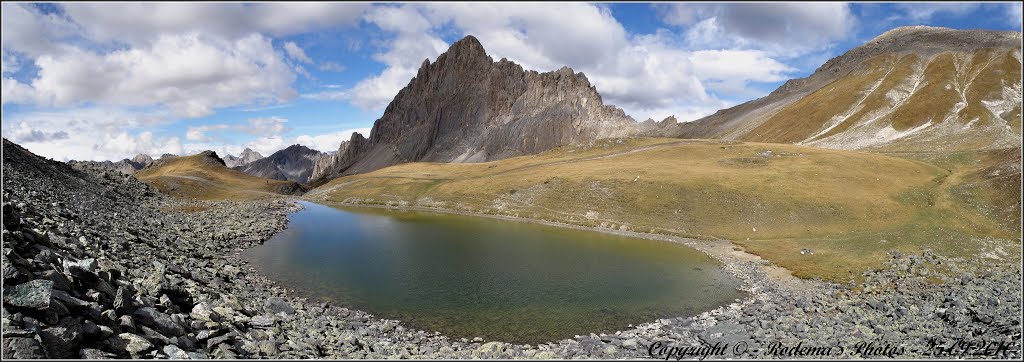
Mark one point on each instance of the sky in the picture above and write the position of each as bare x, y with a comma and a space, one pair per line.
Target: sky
106, 81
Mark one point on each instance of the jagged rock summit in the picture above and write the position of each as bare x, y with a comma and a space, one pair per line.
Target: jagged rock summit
246, 157
465, 107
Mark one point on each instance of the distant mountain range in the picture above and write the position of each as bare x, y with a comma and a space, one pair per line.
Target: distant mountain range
125, 166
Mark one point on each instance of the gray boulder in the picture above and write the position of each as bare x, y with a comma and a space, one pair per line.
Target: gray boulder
34, 294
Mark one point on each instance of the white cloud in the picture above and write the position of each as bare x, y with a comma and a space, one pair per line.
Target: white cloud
12, 91
89, 134
538, 35
414, 42
260, 127
27, 30
332, 67
189, 74
334, 95
297, 53
925, 11
138, 23
265, 126
324, 143
330, 141
199, 133
786, 29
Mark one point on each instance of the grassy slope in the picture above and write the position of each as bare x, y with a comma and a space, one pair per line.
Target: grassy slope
199, 178
842, 205
861, 96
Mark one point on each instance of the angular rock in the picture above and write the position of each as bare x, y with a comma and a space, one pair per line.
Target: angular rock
22, 347
94, 354
173, 352
35, 294
134, 343
159, 321
277, 305
61, 341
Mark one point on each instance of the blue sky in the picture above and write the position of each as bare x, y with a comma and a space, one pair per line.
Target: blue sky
110, 80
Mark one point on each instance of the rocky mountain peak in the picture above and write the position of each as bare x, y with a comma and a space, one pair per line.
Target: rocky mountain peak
249, 153
142, 159
464, 107
294, 163
211, 156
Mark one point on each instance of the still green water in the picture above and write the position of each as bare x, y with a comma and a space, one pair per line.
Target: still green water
502, 280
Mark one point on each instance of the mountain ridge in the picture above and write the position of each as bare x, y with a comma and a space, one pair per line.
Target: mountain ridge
907, 89
465, 107
293, 163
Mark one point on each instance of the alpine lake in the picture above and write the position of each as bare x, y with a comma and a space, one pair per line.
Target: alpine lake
468, 276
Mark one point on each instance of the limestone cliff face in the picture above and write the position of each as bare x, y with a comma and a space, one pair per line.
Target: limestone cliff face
464, 107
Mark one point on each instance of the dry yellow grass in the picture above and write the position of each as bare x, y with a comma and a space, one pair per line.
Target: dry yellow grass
199, 178
933, 100
850, 208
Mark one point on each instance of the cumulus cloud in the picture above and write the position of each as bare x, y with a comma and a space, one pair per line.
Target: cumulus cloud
137, 23
27, 30
261, 127
783, 28
538, 35
143, 54
413, 42
265, 126
89, 133
296, 53
189, 74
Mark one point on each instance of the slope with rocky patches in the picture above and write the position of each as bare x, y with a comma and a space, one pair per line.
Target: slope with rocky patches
910, 89
204, 176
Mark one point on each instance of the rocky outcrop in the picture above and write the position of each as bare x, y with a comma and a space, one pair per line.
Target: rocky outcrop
248, 156
465, 107
125, 166
347, 154
910, 89
294, 163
